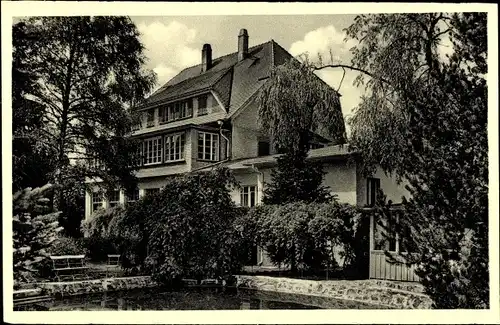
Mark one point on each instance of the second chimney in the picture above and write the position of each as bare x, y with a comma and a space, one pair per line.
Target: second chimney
242, 44
206, 57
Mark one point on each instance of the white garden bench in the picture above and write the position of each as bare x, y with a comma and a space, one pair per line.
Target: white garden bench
69, 266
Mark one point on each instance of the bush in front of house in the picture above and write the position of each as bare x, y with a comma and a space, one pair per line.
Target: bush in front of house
304, 235
34, 229
65, 245
98, 239
190, 230
187, 230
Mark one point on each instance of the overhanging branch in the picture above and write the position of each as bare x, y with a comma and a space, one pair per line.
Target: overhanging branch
344, 66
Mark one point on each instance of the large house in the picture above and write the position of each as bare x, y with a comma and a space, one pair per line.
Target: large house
207, 115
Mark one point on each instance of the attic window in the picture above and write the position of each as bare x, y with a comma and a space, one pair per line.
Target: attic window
176, 111
150, 118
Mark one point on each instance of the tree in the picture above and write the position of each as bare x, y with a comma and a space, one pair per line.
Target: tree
424, 118
293, 103
184, 231
30, 158
84, 72
295, 179
34, 229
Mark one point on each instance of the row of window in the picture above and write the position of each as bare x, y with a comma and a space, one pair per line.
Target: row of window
170, 148
247, 196
114, 198
176, 111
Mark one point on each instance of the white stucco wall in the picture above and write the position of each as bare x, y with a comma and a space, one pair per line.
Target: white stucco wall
388, 184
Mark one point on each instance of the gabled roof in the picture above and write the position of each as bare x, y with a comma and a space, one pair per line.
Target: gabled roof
232, 81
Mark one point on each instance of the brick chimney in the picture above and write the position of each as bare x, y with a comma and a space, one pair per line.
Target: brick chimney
242, 44
206, 57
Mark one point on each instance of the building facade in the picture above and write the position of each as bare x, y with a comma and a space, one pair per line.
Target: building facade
207, 115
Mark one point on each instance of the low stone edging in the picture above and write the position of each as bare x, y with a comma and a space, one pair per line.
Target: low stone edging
99, 285
381, 293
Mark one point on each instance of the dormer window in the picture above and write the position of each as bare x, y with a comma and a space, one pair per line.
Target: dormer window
202, 105
151, 118
176, 111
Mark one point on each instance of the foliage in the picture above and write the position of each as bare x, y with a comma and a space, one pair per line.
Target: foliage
303, 234
424, 118
295, 179
295, 102
31, 159
190, 232
64, 245
99, 240
185, 230
34, 231
292, 104
82, 73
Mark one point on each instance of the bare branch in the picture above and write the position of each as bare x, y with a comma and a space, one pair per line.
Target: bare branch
341, 80
344, 66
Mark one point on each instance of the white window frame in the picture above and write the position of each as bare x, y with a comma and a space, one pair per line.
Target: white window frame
185, 110
173, 147
113, 203
213, 155
246, 195
96, 204
152, 156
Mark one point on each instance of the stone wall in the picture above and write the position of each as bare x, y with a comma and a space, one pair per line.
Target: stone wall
100, 285
378, 293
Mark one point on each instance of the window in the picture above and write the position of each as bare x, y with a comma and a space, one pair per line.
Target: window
208, 146
263, 148
174, 147
247, 196
385, 233
151, 191
152, 151
114, 198
96, 201
177, 110
151, 118
133, 197
202, 105
373, 186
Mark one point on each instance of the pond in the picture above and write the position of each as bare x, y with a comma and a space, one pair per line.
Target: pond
194, 299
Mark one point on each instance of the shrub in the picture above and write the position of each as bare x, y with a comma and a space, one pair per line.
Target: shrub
99, 240
64, 245
34, 231
303, 235
190, 230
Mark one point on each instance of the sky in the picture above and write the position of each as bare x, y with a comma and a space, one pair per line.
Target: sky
174, 43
